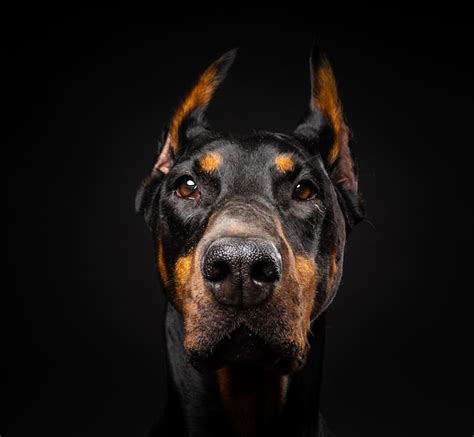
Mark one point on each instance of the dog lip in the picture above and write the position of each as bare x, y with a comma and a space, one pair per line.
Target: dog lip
243, 346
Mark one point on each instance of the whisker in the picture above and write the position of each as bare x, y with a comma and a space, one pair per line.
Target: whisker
370, 223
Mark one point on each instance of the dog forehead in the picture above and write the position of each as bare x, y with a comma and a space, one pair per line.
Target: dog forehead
249, 155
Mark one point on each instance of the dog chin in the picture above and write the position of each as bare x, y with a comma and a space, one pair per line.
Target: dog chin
243, 346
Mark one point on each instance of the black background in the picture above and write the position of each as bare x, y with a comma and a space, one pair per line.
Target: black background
90, 91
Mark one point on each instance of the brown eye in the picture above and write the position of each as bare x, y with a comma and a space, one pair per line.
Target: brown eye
305, 190
186, 188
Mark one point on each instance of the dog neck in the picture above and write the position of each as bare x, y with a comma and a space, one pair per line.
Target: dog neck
239, 400
252, 397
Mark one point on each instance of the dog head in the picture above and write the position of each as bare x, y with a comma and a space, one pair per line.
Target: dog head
250, 231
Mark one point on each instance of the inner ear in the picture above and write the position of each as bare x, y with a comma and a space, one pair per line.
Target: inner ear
165, 159
344, 171
149, 187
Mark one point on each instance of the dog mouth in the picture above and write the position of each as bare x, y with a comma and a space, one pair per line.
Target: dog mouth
243, 346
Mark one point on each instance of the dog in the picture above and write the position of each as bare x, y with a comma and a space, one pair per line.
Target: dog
249, 235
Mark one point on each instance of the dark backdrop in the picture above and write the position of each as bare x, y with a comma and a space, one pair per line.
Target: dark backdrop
90, 92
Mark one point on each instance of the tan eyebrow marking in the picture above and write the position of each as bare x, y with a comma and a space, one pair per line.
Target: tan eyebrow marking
284, 163
210, 162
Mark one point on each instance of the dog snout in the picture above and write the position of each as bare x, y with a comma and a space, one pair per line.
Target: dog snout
241, 272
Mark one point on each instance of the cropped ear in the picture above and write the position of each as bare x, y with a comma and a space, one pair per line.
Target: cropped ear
149, 188
187, 122
324, 129
189, 117
190, 114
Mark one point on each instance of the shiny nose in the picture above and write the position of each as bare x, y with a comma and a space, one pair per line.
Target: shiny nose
241, 271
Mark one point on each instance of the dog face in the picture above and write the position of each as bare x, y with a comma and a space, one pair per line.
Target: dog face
250, 231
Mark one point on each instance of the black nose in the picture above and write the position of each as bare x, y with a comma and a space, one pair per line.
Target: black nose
241, 271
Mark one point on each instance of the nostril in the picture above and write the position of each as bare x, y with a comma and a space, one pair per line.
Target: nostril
216, 271
264, 271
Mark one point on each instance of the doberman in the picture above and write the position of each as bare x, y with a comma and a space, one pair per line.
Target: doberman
249, 235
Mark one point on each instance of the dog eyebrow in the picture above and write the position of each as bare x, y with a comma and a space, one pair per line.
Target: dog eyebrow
284, 163
210, 162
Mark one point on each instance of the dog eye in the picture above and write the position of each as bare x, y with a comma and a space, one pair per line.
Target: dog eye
187, 188
305, 190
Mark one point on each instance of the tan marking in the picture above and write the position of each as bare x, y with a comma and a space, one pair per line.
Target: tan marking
326, 100
283, 389
306, 270
301, 273
284, 163
224, 384
308, 279
182, 272
332, 271
250, 395
160, 261
287, 315
199, 97
210, 162
199, 307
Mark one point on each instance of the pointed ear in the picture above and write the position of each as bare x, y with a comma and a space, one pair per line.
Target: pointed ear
189, 117
324, 129
190, 114
187, 121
